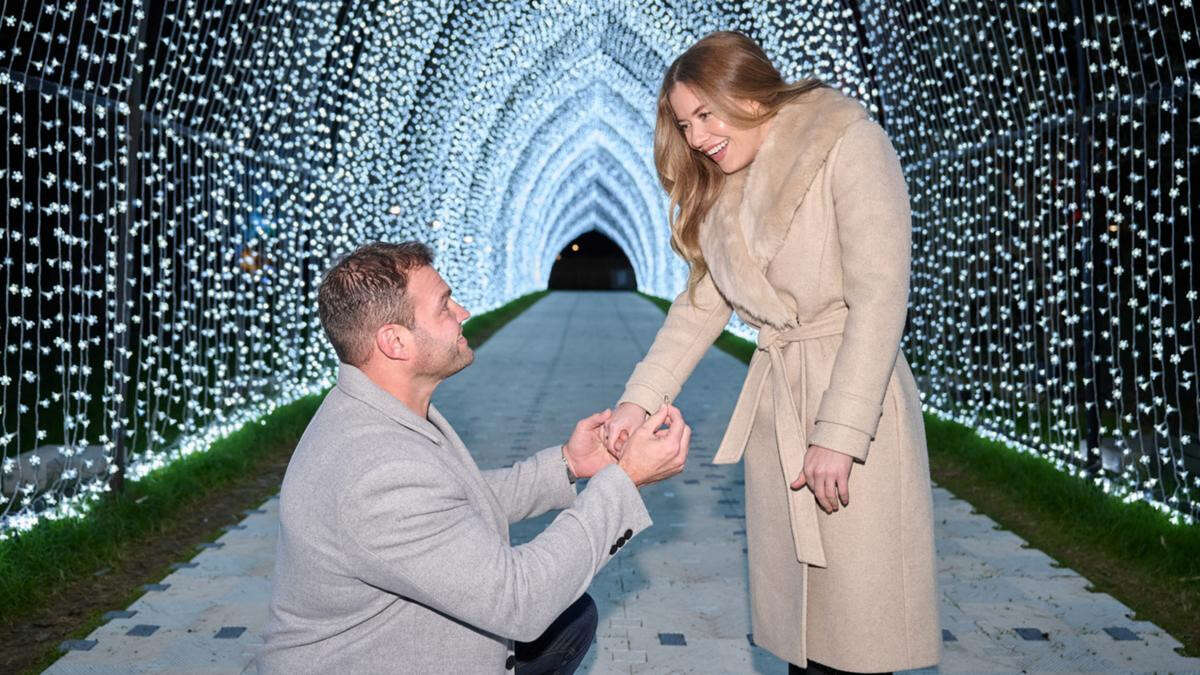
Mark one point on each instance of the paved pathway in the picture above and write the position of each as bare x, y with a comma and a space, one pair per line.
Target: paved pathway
675, 599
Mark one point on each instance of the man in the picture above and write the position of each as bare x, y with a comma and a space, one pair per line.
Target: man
393, 551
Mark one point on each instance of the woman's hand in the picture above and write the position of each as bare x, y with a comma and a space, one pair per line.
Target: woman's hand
827, 473
627, 418
658, 448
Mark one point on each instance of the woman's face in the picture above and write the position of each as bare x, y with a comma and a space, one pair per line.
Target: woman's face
730, 147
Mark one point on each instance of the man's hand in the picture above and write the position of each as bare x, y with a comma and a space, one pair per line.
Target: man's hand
622, 424
827, 473
585, 451
652, 454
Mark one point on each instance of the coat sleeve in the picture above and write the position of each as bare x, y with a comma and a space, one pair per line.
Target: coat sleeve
688, 332
532, 486
874, 230
411, 530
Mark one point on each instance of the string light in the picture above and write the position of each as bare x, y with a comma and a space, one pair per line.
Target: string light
1048, 150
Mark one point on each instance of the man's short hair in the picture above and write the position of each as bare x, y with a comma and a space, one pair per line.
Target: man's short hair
366, 289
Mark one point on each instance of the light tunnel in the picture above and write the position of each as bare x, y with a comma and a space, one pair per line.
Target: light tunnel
180, 174
587, 138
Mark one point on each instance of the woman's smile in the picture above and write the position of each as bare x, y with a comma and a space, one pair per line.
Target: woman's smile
717, 152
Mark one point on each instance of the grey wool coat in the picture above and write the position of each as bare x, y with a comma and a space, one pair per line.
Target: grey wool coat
811, 245
393, 553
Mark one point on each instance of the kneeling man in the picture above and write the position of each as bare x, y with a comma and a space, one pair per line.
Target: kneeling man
393, 551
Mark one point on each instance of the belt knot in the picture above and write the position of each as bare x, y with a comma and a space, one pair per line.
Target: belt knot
768, 337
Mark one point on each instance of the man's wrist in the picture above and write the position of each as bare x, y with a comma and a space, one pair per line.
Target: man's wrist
571, 477
628, 472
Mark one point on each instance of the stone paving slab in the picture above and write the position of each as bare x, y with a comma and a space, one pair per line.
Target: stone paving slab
675, 599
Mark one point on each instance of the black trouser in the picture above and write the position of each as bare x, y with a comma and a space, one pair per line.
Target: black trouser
562, 647
815, 668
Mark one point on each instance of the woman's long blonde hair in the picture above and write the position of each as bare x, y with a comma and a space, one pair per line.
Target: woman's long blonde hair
723, 69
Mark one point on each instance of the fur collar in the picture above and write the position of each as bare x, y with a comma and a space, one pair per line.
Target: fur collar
751, 217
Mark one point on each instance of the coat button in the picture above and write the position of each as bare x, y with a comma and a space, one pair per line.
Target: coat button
628, 534
510, 662
613, 550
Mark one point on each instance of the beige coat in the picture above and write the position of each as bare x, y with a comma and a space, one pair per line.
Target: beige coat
810, 244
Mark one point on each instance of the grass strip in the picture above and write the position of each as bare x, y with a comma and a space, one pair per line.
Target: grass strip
478, 329
57, 579
1129, 551
737, 347
34, 562
48, 573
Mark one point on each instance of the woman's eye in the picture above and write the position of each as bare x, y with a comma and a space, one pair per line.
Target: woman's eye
703, 115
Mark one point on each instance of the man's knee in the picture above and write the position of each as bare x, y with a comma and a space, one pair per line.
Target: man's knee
579, 623
584, 618
589, 618
564, 644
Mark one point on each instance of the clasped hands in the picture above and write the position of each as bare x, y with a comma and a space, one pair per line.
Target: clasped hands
653, 449
826, 472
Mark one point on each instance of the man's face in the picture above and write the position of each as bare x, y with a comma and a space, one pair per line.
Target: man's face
437, 325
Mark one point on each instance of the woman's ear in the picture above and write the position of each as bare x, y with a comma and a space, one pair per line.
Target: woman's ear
745, 113
394, 341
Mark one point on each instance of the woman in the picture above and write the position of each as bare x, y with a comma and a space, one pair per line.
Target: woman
790, 207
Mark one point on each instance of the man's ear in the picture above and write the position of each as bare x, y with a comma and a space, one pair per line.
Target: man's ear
394, 341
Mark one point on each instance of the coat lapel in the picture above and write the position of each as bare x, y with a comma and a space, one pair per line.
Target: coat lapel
469, 470
750, 220
355, 383
735, 270
454, 455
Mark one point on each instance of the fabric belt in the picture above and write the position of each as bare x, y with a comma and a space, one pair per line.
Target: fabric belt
790, 430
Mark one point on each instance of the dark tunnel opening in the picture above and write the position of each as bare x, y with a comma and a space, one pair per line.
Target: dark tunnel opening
592, 262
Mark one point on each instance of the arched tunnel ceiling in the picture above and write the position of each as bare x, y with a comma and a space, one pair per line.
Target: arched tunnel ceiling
485, 132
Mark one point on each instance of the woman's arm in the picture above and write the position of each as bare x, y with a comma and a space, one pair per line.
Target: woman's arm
689, 330
690, 327
875, 233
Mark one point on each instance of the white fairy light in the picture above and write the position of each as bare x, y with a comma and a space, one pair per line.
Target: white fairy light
1053, 272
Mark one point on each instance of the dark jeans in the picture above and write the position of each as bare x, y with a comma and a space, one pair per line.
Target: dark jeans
562, 647
815, 668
